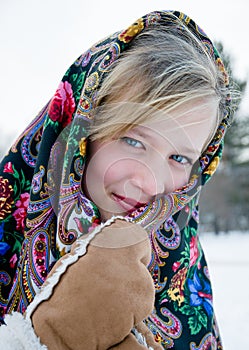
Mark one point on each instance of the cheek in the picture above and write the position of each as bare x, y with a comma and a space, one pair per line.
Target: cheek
181, 178
105, 168
116, 172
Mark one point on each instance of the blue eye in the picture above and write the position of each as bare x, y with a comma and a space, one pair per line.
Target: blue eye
132, 142
181, 159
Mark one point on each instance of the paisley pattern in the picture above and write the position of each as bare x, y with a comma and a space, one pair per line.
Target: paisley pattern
43, 209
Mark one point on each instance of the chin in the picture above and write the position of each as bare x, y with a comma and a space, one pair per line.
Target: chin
106, 215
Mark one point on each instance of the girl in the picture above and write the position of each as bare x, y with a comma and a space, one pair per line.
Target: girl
134, 130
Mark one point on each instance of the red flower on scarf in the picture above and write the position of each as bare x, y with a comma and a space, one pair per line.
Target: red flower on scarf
176, 266
8, 168
62, 105
194, 253
21, 211
96, 222
13, 261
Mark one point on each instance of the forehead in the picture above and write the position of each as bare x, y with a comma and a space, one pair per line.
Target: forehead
182, 114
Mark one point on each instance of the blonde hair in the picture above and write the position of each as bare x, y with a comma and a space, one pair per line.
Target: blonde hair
164, 67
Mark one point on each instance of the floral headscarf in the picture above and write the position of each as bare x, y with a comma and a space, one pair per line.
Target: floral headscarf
43, 209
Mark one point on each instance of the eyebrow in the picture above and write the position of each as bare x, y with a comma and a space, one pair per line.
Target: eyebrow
191, 150
145, 133
139, 130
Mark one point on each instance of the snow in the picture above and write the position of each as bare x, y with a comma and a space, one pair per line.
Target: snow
228, 258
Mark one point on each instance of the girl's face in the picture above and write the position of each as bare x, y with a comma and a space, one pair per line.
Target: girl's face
150, 159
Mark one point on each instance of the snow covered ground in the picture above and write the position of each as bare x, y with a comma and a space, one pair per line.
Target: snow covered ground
228, 257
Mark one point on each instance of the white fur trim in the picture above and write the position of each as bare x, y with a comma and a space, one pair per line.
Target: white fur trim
18, 334
140, 338
71, 258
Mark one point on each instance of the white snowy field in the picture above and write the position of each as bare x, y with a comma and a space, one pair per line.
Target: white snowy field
228, 257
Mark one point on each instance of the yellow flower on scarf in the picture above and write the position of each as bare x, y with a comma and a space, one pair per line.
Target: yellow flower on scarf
132, 31
82, 146
6, 200
176, 288
212, 167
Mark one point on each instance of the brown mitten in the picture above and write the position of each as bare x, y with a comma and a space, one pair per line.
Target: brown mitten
100, 297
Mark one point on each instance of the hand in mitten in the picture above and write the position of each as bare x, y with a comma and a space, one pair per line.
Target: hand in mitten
101, 297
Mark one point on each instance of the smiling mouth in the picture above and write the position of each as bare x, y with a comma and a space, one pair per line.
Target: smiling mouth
128, 204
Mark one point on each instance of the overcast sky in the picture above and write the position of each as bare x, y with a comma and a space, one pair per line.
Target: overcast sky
39, 39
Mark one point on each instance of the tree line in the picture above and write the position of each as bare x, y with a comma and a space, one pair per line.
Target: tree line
224, 202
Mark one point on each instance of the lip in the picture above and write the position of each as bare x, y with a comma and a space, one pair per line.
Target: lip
126, 203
